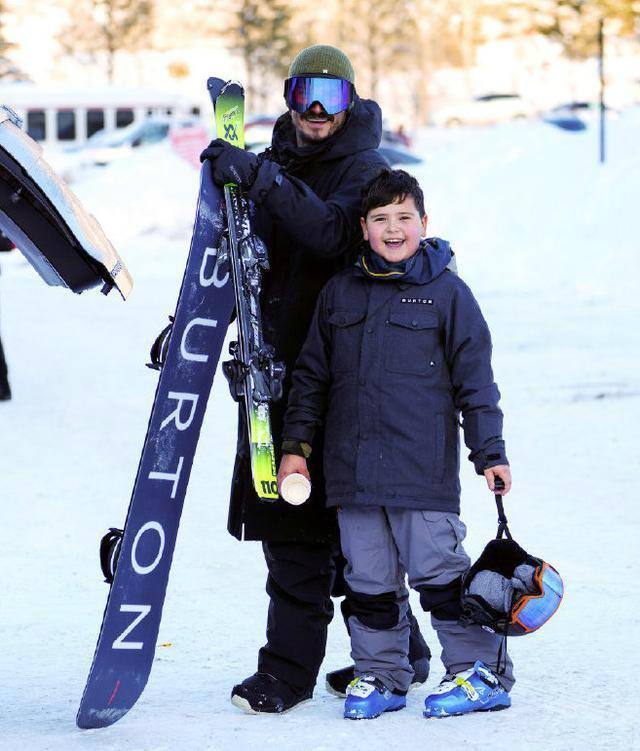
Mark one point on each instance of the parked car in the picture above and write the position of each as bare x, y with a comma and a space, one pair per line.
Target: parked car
396, 155
257, 137
565, 120
105, 146
582, 109
258, 130
484, 110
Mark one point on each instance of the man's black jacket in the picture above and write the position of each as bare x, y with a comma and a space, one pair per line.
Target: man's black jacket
307, 210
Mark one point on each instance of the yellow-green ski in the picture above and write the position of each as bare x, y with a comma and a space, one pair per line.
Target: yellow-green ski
253, 373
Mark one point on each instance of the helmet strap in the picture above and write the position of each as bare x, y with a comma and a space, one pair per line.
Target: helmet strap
503, 528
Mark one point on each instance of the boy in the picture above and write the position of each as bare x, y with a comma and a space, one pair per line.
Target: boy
396, 352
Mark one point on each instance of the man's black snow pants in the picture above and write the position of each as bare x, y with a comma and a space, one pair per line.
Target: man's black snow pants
299, 584
301, 580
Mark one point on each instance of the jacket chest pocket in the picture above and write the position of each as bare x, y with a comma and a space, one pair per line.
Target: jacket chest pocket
346, 329
412, 342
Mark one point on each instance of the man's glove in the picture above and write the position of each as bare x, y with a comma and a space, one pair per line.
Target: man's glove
231, 164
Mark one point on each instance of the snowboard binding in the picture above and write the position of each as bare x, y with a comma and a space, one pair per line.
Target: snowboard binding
160, 347
268, 374
110, 545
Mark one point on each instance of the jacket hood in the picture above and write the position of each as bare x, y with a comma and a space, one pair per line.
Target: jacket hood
439, 255
361, 131
431, 259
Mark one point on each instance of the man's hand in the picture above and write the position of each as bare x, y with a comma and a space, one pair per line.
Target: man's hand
292, 463
502, 471
231, 164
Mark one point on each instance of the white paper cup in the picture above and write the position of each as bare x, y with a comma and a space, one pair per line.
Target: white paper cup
295, 489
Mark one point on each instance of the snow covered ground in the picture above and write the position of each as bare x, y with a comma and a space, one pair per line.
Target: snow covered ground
547, 238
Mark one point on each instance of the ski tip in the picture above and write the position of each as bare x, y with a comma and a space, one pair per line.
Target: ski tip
216, 86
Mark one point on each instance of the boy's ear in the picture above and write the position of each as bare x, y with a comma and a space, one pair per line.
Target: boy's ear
363, 225
424, 221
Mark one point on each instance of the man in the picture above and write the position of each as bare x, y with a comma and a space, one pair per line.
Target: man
307, 192
5, 390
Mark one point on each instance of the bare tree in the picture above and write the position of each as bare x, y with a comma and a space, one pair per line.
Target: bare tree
572, 23
260, 32
106, 27
8, 70
448, 34
375, 35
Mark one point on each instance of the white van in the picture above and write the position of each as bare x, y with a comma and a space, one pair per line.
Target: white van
65, 116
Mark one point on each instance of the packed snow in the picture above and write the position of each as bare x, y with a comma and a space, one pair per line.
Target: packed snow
547, 239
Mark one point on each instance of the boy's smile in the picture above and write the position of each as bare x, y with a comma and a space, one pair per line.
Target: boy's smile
394, 231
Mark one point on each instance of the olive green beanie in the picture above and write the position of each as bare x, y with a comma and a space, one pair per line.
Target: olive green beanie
322, 59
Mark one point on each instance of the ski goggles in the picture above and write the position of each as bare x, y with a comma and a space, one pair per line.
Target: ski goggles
334, 94
529, 612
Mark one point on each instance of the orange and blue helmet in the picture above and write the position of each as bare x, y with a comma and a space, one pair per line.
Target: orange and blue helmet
510, 591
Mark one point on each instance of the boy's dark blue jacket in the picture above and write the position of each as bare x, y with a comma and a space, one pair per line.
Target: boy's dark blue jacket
389, 368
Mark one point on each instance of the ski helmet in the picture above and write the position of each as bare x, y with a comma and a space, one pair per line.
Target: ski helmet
507, 590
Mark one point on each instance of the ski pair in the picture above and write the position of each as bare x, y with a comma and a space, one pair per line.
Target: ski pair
253, 372
223, 271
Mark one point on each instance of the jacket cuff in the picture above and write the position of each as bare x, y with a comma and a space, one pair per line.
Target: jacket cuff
299, 448
491, 456
269, 174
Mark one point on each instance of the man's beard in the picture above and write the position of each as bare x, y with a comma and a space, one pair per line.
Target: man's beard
310, 139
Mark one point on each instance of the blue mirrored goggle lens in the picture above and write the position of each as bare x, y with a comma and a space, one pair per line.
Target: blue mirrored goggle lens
334, 94
538, 610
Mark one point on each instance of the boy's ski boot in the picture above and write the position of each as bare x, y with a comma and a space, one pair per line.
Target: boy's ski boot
474, 690
368, 697
337, 681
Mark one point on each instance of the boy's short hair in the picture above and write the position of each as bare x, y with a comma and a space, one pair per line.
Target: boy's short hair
392, 186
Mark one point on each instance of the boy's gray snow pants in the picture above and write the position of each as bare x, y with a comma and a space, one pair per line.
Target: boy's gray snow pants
381, 545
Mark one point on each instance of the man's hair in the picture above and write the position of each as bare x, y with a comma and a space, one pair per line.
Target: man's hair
392, 186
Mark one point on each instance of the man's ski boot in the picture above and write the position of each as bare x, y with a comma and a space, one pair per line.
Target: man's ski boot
262, 692
474, 690
338, 680
368, 697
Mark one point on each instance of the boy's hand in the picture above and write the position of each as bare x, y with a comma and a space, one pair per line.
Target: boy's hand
502, 471
292, 463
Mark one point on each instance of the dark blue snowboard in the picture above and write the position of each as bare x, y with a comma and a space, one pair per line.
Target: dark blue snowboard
127, 641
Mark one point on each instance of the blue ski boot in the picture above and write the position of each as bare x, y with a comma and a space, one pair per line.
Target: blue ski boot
473, 690
368, 697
